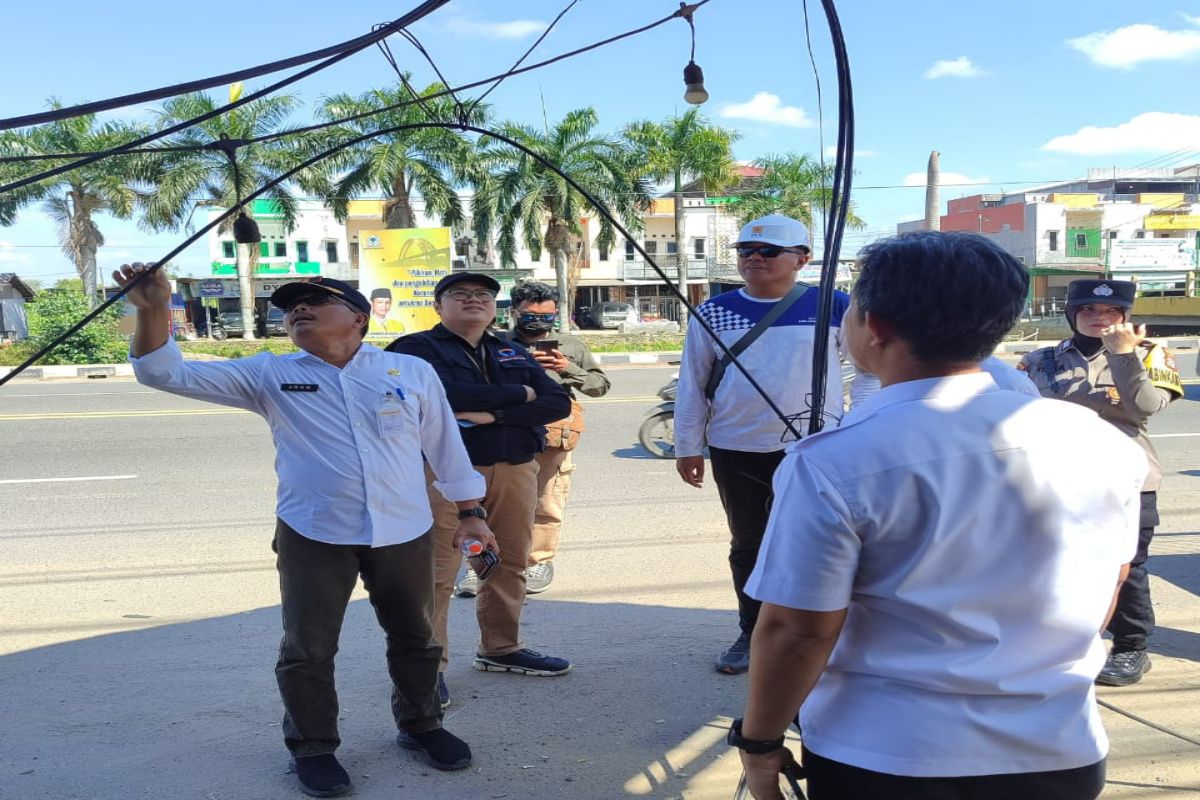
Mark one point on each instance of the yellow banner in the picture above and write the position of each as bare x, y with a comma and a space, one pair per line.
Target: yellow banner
397, 272
1171, 222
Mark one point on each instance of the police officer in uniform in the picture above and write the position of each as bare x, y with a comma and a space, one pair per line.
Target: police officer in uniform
1111, 368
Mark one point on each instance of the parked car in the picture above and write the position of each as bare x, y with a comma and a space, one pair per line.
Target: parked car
274, 322
613, 315
228, 323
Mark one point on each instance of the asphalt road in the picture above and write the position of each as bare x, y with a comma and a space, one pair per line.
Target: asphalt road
139, 616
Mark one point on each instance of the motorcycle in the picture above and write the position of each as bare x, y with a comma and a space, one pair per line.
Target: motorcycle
657, 433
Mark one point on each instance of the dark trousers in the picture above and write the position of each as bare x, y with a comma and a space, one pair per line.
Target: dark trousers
1133, 620
315, 582
833, 780
744, 484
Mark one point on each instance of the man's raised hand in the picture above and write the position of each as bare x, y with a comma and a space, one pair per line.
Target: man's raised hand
153, 291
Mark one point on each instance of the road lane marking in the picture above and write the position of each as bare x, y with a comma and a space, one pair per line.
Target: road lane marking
1172, 435
72, 480
178, 412
79, 394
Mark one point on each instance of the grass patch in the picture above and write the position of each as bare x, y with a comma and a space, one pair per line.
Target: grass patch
239, 349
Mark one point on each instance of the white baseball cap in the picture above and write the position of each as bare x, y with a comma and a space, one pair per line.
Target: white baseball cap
774, 229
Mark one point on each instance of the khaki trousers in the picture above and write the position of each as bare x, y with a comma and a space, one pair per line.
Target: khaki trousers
554, 487
510, 500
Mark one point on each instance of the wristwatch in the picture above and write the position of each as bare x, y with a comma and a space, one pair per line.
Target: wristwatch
755, 747
477, 511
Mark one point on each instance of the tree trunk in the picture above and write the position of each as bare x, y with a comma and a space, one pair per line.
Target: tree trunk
246, 265
87, 271
397, 210
558, 242
680, 254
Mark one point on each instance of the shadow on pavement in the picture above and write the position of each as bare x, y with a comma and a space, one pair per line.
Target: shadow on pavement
191, 710
1181, 569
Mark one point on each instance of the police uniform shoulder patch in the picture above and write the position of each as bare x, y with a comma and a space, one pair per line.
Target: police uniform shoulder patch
1161, 369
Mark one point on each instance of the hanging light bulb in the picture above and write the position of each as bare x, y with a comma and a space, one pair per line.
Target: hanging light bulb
245, 230
693, 78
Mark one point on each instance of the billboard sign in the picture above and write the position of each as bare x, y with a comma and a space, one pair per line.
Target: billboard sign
1152, 255
398, 269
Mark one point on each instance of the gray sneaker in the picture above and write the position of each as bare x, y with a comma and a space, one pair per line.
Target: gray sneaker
736, 659
468, 586
538, 577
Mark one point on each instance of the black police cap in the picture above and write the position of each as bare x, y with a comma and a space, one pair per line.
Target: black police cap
1113, 293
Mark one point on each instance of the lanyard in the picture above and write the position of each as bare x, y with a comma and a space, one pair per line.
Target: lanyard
481, 362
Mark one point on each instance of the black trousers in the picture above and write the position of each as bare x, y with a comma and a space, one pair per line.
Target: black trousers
833, 780
1133, 620
315, 582
744, 484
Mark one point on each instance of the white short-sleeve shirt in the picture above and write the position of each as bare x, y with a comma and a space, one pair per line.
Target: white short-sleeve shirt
976, 539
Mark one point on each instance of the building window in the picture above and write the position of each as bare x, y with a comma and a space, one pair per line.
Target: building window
698, 248
1053, 240
1139, 235
603, 253
281, 249
264, 249
651, 247
331, 253
630, 253
1112, 234
672, 249
229, 249
1081, 241
302, 251
354, 253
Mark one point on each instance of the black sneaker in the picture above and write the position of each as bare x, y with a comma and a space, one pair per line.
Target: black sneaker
321, 776
469, 585
443, 691
736, 659
442, 749
526, 662
538, 577
1124, 668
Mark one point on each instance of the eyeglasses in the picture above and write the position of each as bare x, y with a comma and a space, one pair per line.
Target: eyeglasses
463, 295
764, 250
532, 317
311, 300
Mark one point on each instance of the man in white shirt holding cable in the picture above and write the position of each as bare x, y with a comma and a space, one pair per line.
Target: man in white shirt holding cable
938, 568
773, 319
351, 425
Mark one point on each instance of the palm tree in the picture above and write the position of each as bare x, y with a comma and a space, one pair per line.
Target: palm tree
684, 148
205, 177
520, 197
792, 184
73, 199
430, 162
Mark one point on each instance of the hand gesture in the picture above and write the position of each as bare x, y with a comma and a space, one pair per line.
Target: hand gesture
152, 292
1122, 338
552, 360
763, 773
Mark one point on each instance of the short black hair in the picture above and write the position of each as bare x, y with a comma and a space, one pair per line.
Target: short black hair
533, 292
950, 296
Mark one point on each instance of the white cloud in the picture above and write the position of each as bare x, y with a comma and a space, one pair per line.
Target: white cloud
9, 254
767, 107
1152, 132
517, 29
1127, 47
1191, 19
960, 67
831, 152
946, 179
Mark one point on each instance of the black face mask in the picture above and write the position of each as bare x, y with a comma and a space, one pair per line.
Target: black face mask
535, 324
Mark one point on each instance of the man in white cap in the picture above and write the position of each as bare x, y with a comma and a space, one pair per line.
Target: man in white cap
774, 317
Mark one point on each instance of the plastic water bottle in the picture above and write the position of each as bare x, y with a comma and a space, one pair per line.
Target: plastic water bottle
482, 560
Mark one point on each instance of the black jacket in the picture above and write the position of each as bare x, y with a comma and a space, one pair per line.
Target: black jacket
497, 385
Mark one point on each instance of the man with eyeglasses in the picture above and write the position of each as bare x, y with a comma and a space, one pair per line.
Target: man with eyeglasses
716, 406
502, 398
352, 425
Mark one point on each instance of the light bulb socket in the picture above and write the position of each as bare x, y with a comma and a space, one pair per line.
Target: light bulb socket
245, 230
693, 79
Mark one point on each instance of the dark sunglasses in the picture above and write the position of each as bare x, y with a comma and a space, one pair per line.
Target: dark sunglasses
315, 299
764, 250
532, 317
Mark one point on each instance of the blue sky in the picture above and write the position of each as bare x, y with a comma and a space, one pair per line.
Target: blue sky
1018, 92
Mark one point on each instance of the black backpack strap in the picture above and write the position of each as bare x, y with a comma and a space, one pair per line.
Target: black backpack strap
776, 311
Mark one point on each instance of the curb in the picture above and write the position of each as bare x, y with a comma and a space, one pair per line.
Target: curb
638, 358
72, 371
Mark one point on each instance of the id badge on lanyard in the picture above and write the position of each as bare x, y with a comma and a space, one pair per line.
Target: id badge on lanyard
389, 414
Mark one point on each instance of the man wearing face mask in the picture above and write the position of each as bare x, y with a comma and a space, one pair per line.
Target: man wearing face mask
570, 364
1110, 367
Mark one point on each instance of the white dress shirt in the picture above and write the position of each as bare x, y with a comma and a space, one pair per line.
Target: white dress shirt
349, 441
975, 536
1005, 375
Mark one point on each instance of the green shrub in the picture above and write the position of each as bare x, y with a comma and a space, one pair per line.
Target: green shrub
53, 311
239, 349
